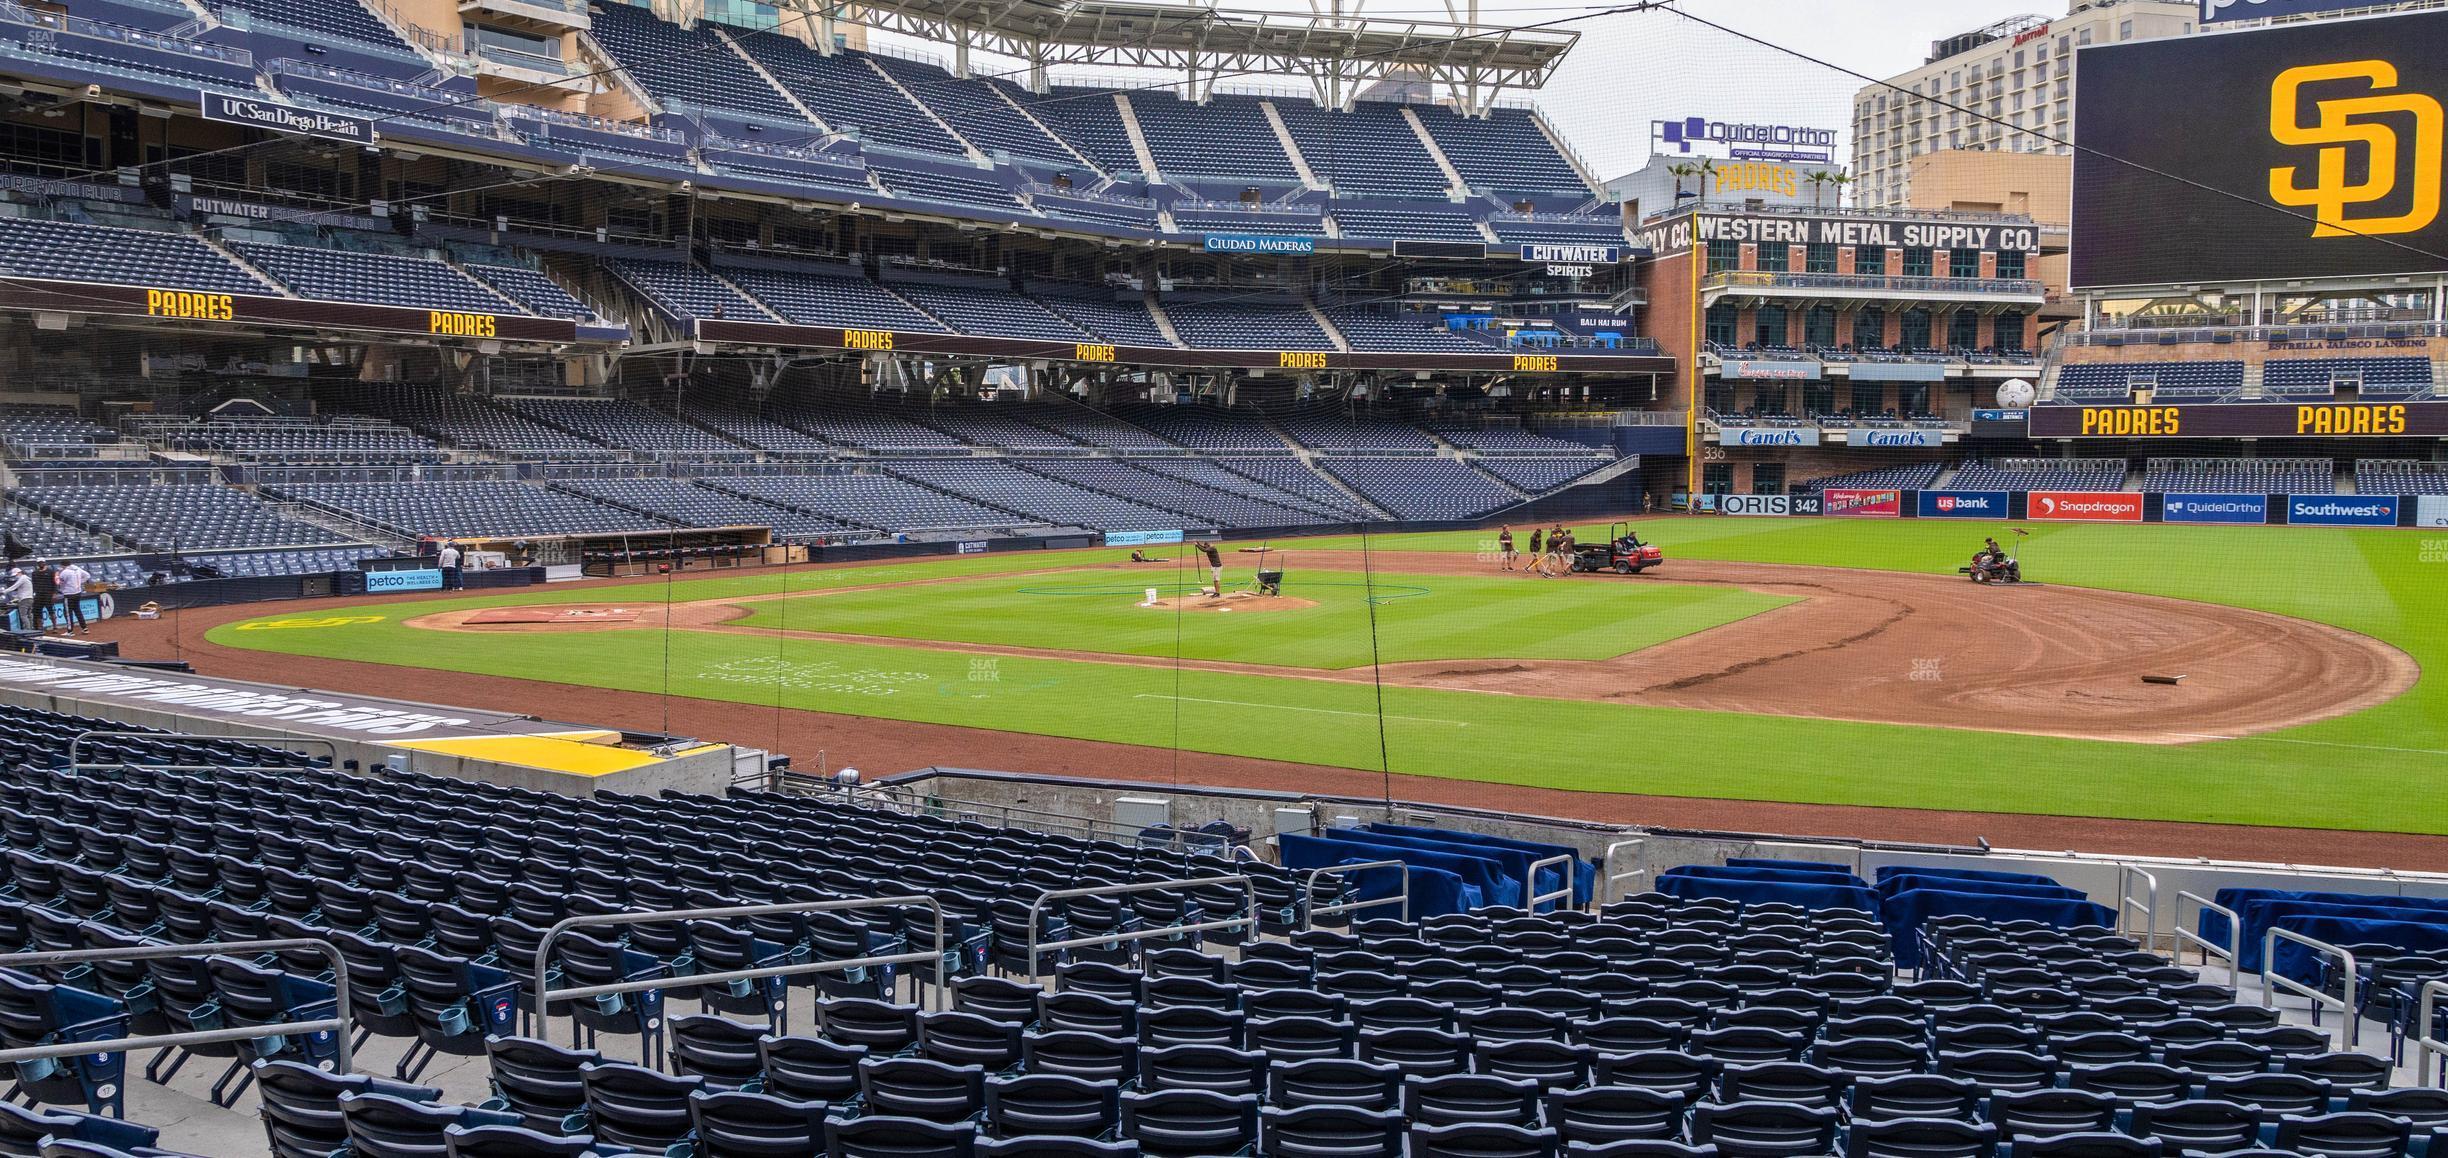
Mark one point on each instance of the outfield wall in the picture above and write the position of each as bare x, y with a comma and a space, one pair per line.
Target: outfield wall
2228, 509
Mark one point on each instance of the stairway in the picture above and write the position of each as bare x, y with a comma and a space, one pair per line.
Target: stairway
1333, 335
770, 80
1045, 128
1283, 136
1455, 186
1164, 324
975, 154
273, 285
1138, 139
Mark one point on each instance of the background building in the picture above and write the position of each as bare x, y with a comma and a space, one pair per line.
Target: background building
2018, 71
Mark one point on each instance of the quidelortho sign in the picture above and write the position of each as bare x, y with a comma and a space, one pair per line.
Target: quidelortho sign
2213, 508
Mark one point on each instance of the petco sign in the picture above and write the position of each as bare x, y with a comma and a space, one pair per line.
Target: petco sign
2087, 506
421, 579
1963, 504
1754, 505
1770, 436
2192, 508
1861, 504
2342, 510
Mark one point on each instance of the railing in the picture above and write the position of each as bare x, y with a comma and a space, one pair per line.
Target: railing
1749, 209
1532, 898
1724, 279
2130, 332
160, 42
1309, 889
573, 7
2147, 904
475, 45
338, 1025
2349, 1016
545, 995
1036, 908
2426, 1045
1041, 189
1608, 874
76, 746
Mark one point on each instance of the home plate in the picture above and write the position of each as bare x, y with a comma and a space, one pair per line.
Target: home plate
553, 615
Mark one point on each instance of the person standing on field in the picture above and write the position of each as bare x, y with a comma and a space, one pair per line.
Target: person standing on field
1538, 558
1215, 566
448, 557
18, 593
46, 592
72, 581
1504, 548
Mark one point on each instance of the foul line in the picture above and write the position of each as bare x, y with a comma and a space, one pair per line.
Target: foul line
2317, 743
1291, 708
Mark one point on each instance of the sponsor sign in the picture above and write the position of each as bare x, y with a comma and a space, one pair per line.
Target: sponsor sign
1963, 504
1878, 436
1749, 141
2261, 420
1141, 538
1769, 368
2431, 511
2342, 510
424, 579
2213, 508
1769, 436
260, 112
1571, 254
1257, 243
2000, 415
1898, 233
1854, 503
1755, 505
2222, 11
1897, 371
2086, 506
2336, 127
974, 547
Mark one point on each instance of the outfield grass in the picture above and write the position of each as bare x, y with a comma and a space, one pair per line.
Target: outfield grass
2379, 769
1415, 617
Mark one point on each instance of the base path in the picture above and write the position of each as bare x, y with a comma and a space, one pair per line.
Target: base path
886, 746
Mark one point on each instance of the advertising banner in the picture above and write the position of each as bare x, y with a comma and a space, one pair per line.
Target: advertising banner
1141, 538
2307, 149
1572, 253
1769, 368
2342, 510
2263, 420
1769, 436
2087, 506
258, 111
2213, 508
1855, 503
1257, 243
2222, 11
1898, 371
1999, 415
1755, 505
2431, 511
1884, 437
1963, 504
426, 579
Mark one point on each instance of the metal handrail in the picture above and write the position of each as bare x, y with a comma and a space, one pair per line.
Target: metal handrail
1532, 898
2344, 1003
2186, 936
1309, 889
1606, 885
337, 1025
1036, 907
76, 747
2426, 1045
2149, 907
546, 995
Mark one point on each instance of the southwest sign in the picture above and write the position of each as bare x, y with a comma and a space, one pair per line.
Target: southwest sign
2240, 420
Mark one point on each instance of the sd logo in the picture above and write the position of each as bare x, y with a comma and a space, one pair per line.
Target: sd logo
2347, 126
308, 624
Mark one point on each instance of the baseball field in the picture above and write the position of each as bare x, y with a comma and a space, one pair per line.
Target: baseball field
1807, 661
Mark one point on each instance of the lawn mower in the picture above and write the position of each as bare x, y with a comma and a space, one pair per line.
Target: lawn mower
1623, 553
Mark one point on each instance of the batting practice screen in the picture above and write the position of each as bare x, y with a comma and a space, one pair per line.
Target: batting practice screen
2304, 150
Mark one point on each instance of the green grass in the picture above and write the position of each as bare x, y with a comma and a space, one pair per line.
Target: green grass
1416, 617
2379, 769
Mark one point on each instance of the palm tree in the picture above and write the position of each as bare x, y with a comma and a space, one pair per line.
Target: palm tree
1840, 179
1680, 171
1818, 179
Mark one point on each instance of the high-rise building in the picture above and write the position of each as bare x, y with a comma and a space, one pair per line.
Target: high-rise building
1979, 87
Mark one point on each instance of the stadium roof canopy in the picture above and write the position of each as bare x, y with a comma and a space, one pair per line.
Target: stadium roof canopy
1341, 53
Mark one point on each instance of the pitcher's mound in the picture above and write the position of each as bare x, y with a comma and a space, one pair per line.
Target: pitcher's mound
1234, 601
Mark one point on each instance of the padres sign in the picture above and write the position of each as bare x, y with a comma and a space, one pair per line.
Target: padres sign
2338, 130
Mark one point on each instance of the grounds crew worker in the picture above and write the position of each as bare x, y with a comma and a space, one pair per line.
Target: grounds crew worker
1504, 548
1215, 565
